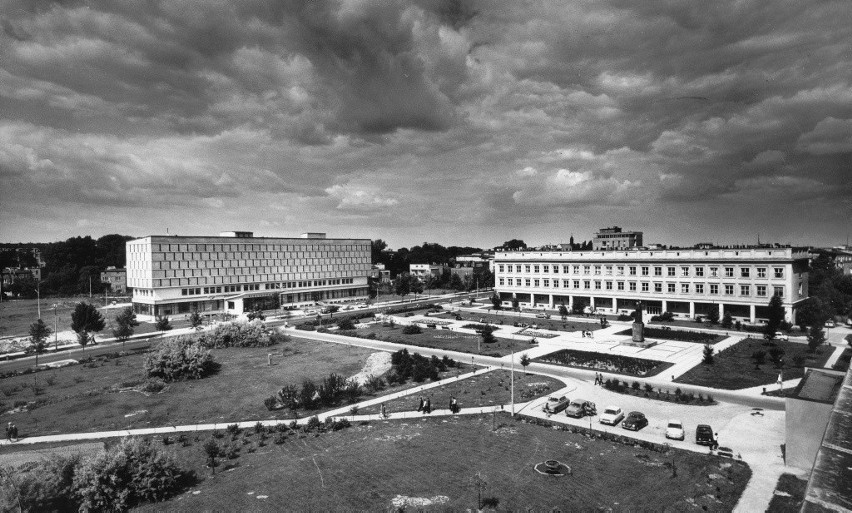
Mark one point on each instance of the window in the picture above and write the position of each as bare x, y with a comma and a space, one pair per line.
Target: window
597, 269
609, 285
761, 290
670, 287
587, 269
632, 270
699, 271
527, 268
645, 270
699, 288
632, 286
761, 272
535, 268
729, 289
714, 272
658, 287
527, 282
576, 284
779, 291
566, 283
714, 288
565, 269
555, 269
779, 272
501, 281
501, 268
535, 283
745, 290
620, 285
684, 288
518, 268
621, 270
645, 286
745, 272
729, 272
576, 269
546, 283
670, 271
609, 269
545, 268
684, 271
658, 271
587, 284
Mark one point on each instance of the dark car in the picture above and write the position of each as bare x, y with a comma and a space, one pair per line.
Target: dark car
635, 421
580, 408
704, 435
555, 404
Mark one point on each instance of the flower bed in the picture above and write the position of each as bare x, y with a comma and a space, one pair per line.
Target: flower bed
679, 335
537, 334
605, 362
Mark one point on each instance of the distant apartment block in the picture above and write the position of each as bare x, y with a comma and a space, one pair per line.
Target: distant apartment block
422, 271
237, 272
688, 282
615, 238
116, 279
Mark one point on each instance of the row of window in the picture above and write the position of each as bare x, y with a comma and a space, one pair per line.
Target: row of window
632, 286
192, 248
642, 270
266, 286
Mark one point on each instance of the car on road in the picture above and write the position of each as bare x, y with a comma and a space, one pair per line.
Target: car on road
555, 404
726, 452
780, 335
830, 324
612, 415
543, 315
635, 421
674, 430
579, 408
704, 435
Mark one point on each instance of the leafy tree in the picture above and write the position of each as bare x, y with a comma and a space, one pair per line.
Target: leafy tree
376, 248
86, 319
516, 304
307, 394
211, 449
163, 323
402, 285
125, 322
257, 313
712, 316
774, 317
179, 358
708, 355
514, 244
47, 485
195, 319
39, 331
727, 321
563, 311
496, 302
488, 336
811, 312
456, 282
525, 360
759, 358
415, 286
345, 324
816, 337
776, 354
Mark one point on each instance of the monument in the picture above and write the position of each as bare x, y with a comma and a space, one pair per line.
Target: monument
638, 325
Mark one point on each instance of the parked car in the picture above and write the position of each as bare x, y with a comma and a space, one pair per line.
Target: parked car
726, 452
612, 415
543, 315
579, 408
830, 323
780, 335
674, 430
555, 404
635, 421
704, 435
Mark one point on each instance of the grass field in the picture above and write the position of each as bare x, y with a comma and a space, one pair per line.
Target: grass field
509, 318
734, 367
489, 389
444, 339
386, 465
86, 397
789, 494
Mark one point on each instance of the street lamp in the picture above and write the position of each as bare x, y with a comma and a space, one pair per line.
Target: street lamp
55, 334
512, 349
38, 296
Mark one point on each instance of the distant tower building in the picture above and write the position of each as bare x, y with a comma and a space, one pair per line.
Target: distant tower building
614, 238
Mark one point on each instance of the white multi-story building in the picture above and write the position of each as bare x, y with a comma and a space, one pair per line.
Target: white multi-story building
615, 238
686, 282
236, 272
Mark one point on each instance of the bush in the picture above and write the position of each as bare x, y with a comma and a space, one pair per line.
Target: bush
242, 334
345, 324
374, 384
47, 485
178, 359
130, 473
152, 386
306, 326
625, 317
313, 424
270, 402
411, 329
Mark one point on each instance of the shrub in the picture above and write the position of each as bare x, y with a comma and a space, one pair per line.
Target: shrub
345, 324
232, 429
130, 473
649, 388
270, 402
279, 438
708, 359
313, 423
625, 317
152, 386
305, 326
374, 384
635, 385
411, 329
242, 334
178, 359
46, 485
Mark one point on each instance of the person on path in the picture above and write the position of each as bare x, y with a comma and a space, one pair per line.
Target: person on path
384, 412
9, 431
428, 407
420, 406
14, 432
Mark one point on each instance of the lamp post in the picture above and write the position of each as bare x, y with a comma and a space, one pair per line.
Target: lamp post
55, 334
38, 296
512, 349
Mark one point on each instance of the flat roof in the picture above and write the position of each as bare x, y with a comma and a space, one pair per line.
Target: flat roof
256, 238
819, 385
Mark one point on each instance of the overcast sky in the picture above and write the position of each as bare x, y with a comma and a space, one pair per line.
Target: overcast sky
459, 123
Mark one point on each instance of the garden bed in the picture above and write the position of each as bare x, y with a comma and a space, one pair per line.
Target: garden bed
734, 367
609, 363
647, 391
698, 337
440, 339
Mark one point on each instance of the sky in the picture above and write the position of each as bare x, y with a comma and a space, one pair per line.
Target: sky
462, 123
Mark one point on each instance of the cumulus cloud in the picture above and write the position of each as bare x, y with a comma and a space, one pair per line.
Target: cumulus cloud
358, 199
567, 188
829, 136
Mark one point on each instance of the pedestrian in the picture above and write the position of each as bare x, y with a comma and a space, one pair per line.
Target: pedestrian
9, 432
420, 406
428, 407
384, 411
14, 432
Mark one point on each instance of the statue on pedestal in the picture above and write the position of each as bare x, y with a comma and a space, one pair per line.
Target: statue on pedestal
638, 325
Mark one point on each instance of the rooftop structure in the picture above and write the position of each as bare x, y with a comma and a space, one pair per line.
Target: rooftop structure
615, 238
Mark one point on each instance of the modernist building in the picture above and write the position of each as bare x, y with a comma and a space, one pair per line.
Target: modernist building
686, 282
614, 238
237, 272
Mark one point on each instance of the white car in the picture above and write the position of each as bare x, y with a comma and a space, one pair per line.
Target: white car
612, 415
780, 335
674, 430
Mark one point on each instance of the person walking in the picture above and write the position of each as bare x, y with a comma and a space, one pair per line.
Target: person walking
14, 432
428, 407
9, 431
420, 406
384, 411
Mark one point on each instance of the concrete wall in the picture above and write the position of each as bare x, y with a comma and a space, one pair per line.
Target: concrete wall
805, 425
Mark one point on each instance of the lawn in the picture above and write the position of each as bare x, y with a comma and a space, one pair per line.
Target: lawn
489, 389
388, 465
444, 339
699, 337
734, 367
610, 363
88, 398
789, 494
509, 318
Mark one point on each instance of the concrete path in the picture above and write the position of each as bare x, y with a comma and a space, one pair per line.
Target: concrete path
834, 357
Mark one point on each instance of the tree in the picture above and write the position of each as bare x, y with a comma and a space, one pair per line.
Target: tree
257, 313
456, 282
415, 286
86, 319
816, 337
811, 312
195, 319
496, 302
759, 358
708, 355
516, 305
525, 360
727, 321
774, 317
39, 331
125, 321
488, 336
514, 244
563, 311
402, 285
211, 449
163, 323
712, 316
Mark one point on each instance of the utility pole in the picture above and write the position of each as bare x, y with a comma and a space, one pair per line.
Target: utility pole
512, 349
90, 286
55, 334
38, 295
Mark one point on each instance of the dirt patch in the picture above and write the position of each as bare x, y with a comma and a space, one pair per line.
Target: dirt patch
376, 365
